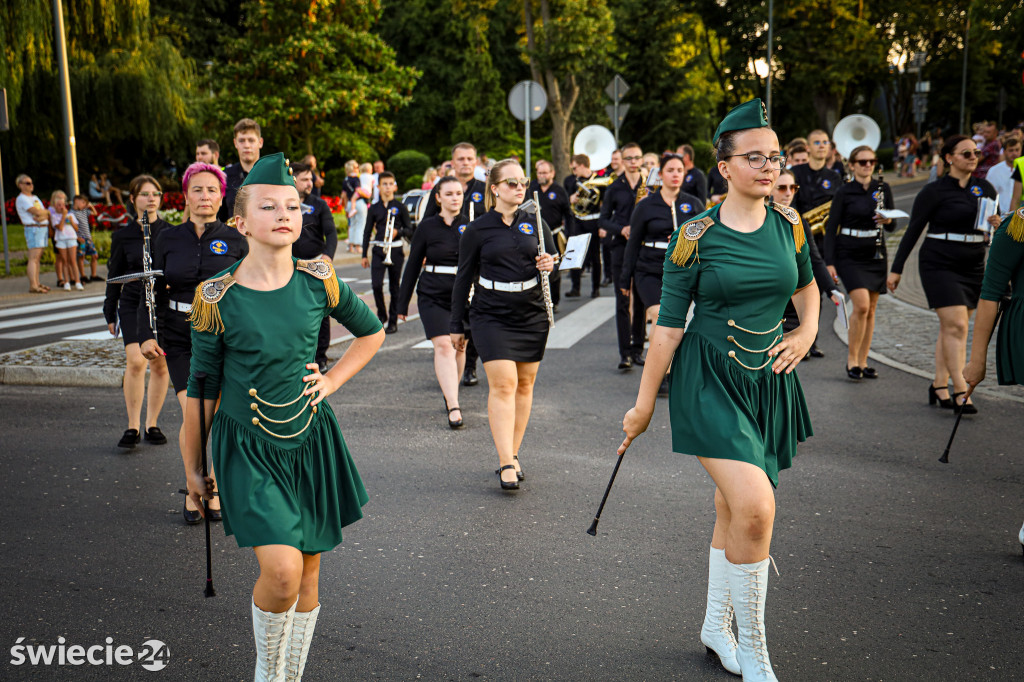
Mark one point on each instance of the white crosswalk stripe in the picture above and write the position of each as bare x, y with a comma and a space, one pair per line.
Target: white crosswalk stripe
54, 317
56, 305
46, 331
38, 320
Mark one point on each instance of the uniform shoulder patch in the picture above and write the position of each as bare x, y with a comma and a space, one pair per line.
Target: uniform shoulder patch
1015, 229
695, 229
205, 313
788, 213
324, 272
686, 241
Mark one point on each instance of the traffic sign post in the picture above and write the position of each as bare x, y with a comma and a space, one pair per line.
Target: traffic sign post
617, 89
527, 101
4, 126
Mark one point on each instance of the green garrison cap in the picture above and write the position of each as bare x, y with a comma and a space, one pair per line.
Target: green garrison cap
270, 170
750, 114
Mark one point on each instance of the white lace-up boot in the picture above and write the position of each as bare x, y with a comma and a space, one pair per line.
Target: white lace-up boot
272, 632
717, 634
748, 587
298, 645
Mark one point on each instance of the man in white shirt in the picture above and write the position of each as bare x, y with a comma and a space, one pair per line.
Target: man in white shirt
1000, 175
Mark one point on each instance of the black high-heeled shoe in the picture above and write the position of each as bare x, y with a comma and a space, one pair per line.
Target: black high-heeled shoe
454, 423
869, 372
192, 518
519, 472
507, 485
933, 397
966, 408
853, 373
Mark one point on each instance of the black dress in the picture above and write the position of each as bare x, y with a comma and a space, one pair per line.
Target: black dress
122, 301
187, 260
437, 243
853, 209
650, 228
951, 271
507, 325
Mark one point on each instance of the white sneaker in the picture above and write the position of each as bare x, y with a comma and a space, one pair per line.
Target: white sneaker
79, 287
67, 286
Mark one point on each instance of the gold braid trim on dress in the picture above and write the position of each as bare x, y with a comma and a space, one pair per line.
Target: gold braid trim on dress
686, 242
1016, 227
323, 271
205, 315
791, 216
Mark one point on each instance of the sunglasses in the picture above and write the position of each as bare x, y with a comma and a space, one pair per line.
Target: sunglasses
970, 155
787, 188
26, 182
512, 183
866, 162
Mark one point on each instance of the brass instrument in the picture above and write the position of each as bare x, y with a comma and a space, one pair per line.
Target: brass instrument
588, 195
389, 237
597, 143
545, 284
817, 217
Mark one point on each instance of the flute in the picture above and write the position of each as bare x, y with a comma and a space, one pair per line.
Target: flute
545, 285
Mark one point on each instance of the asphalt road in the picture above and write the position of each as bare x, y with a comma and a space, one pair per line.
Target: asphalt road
893, 566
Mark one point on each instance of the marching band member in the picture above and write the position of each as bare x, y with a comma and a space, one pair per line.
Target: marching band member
499, 252
318, 239
694, 182
435, 253
651, 226
951, 261
616, 210
855, 253
288, 482
121, 308
188, 253
388, 209
248, 140
555, 209
735, 401
1005, 266
580, 165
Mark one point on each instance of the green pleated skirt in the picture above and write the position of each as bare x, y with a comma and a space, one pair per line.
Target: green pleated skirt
723, 411
1010, 344
299, 497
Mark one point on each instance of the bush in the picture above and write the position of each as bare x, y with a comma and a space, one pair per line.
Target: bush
413, 182
334, 183
408, 162
703, 154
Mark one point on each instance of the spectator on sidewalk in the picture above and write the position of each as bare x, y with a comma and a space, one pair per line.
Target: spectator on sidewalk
991, 150
1000, 175
100, 189
65, 229
36, 222
82, 209
318, 175
350, 195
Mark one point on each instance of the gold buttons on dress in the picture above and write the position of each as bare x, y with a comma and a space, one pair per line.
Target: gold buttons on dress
731, 323
255, 421
314, 409
253, 406
728, 338
252, 391
732, 354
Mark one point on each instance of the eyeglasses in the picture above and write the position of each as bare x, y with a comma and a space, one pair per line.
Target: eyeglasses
631, 158
970, 154
866, 162
787, 188
819, 143
757, 161
26, 182
512, 183
150, 195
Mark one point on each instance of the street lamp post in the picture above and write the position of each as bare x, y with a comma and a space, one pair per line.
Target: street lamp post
963, 79
70, 156
768, 96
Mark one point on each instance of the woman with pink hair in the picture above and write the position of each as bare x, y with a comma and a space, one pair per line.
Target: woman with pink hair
187, 254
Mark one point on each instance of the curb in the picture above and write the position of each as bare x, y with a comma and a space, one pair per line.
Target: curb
81, 377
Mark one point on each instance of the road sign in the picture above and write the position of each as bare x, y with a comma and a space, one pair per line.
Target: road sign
617, 114
618, 88
527, 95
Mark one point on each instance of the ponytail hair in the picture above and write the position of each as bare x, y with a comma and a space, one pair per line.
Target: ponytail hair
496, 175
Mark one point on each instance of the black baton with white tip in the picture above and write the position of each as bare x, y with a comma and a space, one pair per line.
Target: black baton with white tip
593, 527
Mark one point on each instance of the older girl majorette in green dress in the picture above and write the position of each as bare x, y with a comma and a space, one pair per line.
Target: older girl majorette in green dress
287, 482
734, 401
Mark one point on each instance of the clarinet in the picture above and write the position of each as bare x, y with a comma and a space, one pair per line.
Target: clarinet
147, 266
879, 206
545, 285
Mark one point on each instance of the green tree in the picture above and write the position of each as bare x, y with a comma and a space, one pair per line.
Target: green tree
315, 75
568, 46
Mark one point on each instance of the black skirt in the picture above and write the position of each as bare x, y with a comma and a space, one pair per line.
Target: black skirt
648, 286
509, 325
857, 266
435, 317
126, 317
951, 273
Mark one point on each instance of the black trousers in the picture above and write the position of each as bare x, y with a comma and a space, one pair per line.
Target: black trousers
606, 252
630, 333
394, 272
593, 257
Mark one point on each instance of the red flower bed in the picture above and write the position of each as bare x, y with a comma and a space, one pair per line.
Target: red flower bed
334, 203
175, 200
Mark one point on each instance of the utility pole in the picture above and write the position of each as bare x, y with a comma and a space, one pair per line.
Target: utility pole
963, 80
70, 155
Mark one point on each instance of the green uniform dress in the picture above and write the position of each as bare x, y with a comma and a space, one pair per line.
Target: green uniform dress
1006, 264
724, 400
283, 470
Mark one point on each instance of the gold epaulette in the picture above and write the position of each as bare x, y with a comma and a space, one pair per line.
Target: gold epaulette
686, 241
205, 315
1016, 227
324, 272
793, 218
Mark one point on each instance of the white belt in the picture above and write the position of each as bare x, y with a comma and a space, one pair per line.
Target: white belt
180, 307
958, 237
507, 286
592, 216
858, 233
441, 269
657, 245
397, 242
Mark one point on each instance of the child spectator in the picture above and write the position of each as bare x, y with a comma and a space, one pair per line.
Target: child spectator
65, 235
81, 210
